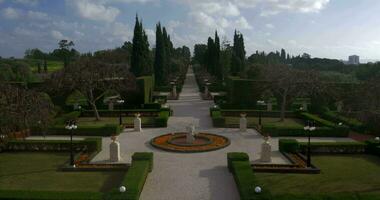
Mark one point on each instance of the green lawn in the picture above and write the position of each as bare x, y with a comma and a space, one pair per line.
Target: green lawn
252, 121
339, 174
52, 65
90, 121
40, 171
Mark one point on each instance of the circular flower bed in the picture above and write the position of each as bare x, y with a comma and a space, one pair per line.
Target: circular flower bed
177, 142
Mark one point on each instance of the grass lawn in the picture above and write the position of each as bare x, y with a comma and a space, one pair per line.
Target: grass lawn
39, 171
52, 65
339, 174
90, 121
266, 120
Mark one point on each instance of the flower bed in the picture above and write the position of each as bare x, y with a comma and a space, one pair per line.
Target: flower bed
164, 142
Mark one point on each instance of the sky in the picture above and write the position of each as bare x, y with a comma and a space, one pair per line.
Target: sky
322, 28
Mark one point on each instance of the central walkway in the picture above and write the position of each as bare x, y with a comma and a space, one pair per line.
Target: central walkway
193, 176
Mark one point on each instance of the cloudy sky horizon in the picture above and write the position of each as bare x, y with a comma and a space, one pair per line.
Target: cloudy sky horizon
322, 28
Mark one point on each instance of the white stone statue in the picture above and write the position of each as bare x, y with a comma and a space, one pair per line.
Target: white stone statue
266, 151
137, 123
114, 150
243, 122
190, 134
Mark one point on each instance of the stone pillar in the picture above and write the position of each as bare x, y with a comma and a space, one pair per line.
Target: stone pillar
110, 105
304, 106
269, 106
243, 123
114, 150
266, 151
137, 123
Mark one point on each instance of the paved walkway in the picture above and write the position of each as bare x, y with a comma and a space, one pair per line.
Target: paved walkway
195, 176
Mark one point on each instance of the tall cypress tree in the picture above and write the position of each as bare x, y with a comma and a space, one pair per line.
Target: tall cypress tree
159, 58
210, 56
217, 67
238, 54
140, 60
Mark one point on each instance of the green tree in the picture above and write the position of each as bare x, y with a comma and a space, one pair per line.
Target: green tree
238, 54
141, 63
160, 57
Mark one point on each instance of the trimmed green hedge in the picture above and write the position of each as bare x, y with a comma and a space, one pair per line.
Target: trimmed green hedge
294, 131
135, 178
48, 195
66, 117
289, 145
106, 130
236, 156
373, 147
244, 177
354, 124
334, 147
146, 156
92, 144
217, 119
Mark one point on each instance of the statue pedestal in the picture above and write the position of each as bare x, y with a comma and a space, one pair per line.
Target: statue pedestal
174, 91
243, 123
115, 151
266, 151
137, 124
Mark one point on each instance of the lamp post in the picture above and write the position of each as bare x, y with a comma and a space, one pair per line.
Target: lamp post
71, 126
309, 128
121, 101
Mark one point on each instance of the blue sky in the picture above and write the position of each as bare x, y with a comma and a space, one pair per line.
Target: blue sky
322, 28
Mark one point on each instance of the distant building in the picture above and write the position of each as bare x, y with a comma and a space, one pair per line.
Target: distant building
353, 60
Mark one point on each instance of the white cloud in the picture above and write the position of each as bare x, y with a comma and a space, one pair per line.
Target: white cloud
11, 13
27, 2
270, 26
57, 35
95, 10
242, 23
274, 7
37, 15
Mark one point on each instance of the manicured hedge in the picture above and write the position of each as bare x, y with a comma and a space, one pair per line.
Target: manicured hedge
48, 195
354, 124
91, 144
335, 147
66, 117
106, 130
295, 131
146, 156
289, 145
242, 171
373, 147
135, 178
236, 156
217, 119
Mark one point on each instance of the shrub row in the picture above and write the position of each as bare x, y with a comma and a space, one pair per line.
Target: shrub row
373, 147
255, 113
116, 113
89, 144
288, 145
293, 146
354, 124
135, 178
296, 131
240, 167
48, 195
322, 122
106, 130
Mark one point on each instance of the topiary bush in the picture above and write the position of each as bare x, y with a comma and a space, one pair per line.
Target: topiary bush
289, 145
236, 156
